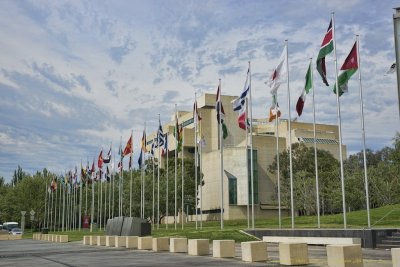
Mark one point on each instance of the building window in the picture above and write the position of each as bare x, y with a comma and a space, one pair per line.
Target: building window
232, 191
255, 175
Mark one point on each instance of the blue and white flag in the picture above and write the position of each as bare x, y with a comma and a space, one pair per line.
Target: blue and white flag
160, 136
240, 102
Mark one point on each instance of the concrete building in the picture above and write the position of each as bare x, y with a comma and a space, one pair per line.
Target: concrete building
236, 174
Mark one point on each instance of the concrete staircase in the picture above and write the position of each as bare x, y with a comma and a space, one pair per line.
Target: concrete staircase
388, 242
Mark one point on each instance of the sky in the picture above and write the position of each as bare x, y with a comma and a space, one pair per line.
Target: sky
78, 75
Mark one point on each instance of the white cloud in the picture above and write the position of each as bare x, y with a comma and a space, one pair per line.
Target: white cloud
78, 75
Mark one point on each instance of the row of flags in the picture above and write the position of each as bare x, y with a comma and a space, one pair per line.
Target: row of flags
349, 67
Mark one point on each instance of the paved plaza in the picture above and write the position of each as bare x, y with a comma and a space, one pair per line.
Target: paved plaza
29, 252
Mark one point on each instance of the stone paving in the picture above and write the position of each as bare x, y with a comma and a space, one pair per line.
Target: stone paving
29, 252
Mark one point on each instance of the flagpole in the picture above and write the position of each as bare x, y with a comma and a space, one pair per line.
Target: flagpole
166, 210
120, 177
63, 211
290, 138
86, 188
363, 133
143, 177
113, 188
59, 207
80, 202
100, 199
251, 153
55, 207
183, 179
247, 167
45, 206
153, 184
51, 209
176, 163
277, 161
201, 177
158, 175
130, 186
222, 158
195, 117
315, 145
339, 124
92, 211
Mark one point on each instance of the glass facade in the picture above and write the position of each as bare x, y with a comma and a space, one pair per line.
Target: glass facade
232, 191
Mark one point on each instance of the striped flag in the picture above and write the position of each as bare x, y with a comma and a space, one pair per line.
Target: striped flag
239, 104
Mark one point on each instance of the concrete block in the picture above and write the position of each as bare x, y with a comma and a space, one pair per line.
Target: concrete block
131, 242
198, 247
254, 251
43, 237
145, 242
395, 257
224, 248
293, 254
161, 244
110, 240
120, 241
63, 238
344, 255
101, 240
3, 237
14, 237
93, 240
85, 240
178, 245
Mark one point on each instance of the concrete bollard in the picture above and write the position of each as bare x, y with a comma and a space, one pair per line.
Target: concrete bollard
86, 240
161, 244
145, 242
198, 247
63, 238
178, 245
101, 240
395, 257
110, 241
120, 241
293, 254
344, 255
93, 240
253, 251
224, 248
131, 242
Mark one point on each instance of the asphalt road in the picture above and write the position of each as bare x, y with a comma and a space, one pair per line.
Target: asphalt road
29, 252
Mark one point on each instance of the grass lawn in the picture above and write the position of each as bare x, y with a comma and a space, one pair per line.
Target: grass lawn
384, 217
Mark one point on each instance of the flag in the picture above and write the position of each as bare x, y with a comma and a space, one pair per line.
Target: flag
130, 161
107, 159
143, 149
279, 73
239, 104
160, 136
100, 159
108, 175
220, 113
349, 67
83, 174
140, 159
120, 166
144, 142
326, 49
152, 148
128, 148
164, 150
392, 69
93, 171
274, 111
196, 115
53, 184
307, 88
178, 134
